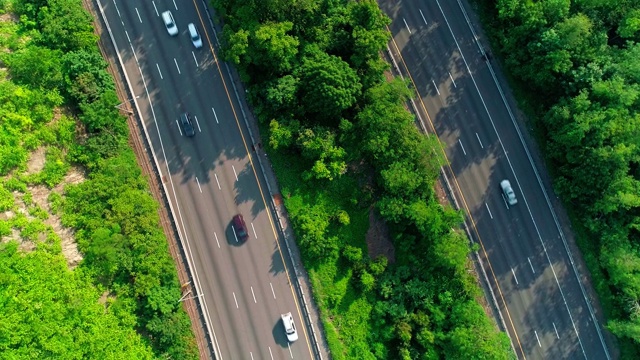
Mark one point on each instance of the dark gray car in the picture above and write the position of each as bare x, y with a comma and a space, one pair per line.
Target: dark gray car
187, 125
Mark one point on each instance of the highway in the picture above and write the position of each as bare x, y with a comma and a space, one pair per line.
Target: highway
210, 177
523, 247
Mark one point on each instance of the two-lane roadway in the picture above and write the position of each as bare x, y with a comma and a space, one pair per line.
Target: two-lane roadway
531, 272
210, 177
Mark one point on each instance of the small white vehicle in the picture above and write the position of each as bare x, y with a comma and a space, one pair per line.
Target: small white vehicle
170, 23
507, 190
289, 327
195, 37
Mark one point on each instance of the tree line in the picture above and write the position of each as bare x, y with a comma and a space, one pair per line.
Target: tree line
579, 61
61, 97
316, 80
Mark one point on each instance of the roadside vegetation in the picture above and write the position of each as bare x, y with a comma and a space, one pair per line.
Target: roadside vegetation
576, 68
85, 268
389, 266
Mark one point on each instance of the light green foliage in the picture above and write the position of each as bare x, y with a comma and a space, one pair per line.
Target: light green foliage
630, 24
65, 25
37, 289
6, 199
318, 145
36, 66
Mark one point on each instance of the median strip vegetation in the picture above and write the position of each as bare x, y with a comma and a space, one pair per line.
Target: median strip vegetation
85, 268
388, 264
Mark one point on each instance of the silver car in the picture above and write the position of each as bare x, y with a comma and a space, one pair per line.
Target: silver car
507, 190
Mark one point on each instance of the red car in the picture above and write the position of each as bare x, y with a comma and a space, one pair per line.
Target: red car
240, 228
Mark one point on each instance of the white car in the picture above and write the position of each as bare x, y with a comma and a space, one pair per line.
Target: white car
195, 37
170, 23
508, 192
289, 327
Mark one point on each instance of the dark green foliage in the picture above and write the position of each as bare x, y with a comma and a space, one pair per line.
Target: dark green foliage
342, 143
580, 61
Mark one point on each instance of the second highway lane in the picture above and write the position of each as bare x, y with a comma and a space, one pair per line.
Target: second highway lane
537, 290
210, 178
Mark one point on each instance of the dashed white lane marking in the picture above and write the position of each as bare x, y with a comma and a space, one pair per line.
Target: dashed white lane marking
452, 81
254, 295
423, 19
462, 146
514, 276
159, 72
139, 18
537, 338
530, 264
216, 176
198, 184
270, 353
478, 136
556, 329
217, 242
174, 4
273, 292
234, 172
177, 67
178, 125
197, 123
289, 346
407, 25
234, 233
485, 204
435, 86
194, 58
236, 300
254, 231
216, 116
250, 353
154, 6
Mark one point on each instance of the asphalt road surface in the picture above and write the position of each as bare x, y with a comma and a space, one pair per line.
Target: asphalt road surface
210, 177
529, 268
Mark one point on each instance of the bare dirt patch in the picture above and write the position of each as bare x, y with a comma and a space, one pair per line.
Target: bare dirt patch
36, 161
40, 195
378, 241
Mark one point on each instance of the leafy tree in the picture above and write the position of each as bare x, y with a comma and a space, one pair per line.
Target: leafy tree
328, 86
36, 66
85, 75
66, 25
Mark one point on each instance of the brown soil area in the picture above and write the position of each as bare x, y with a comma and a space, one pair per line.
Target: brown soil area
378, 241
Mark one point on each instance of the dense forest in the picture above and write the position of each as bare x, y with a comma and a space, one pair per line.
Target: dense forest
120, 299
349, 157
576, 65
